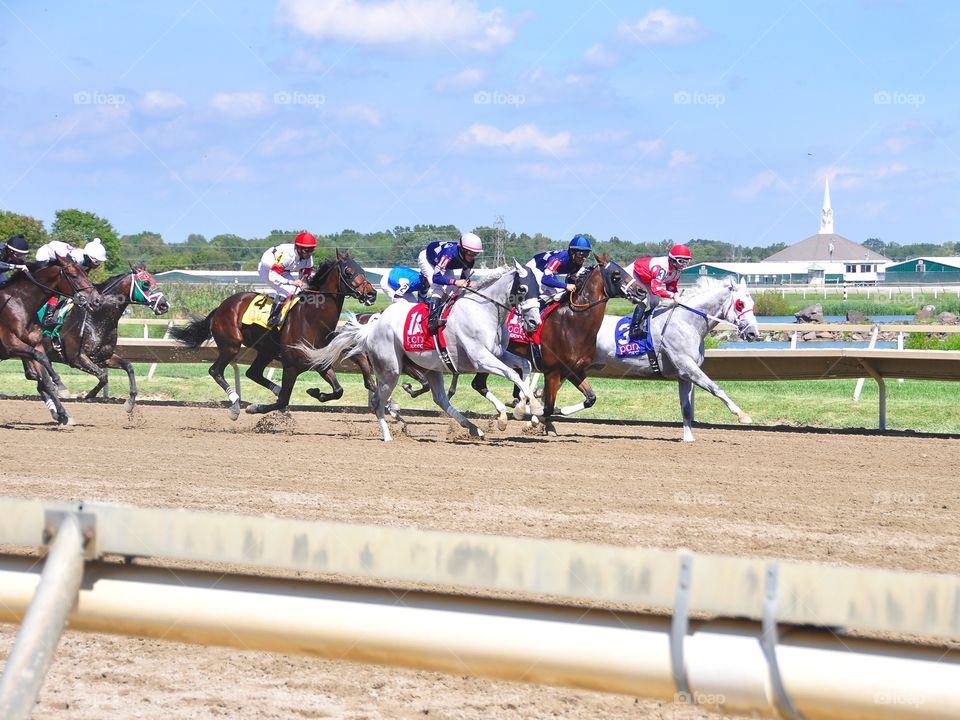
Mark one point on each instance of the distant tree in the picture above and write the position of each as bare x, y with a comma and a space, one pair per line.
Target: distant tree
875, 244
32, 229
142, 247
194, 239
78, 227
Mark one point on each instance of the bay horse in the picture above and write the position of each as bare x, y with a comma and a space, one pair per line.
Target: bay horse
88, 338
311, 321
20, 301
568, 338
474, 336
677, 332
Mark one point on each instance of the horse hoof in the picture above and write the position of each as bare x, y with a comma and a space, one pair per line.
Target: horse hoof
234, 410
62, 419
745, 419
251, 410
64, 392
475, 431
519, 411
502, 421
129, 404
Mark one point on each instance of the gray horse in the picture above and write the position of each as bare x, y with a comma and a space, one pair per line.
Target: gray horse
677, 331
476, 340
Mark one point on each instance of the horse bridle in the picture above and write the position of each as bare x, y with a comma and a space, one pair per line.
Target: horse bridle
343, 282
524, 301
717, 318
606, 295
81, 301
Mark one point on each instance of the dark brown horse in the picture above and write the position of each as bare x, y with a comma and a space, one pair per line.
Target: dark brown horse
310, 323
20, 300
568, 339
88, 338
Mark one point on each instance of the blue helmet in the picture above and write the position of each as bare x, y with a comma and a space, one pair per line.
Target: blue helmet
580, 243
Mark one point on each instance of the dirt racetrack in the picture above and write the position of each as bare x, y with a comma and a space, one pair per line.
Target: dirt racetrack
849, 498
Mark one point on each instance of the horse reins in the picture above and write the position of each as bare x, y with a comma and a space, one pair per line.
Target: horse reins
335, 293
577, 307
50, 290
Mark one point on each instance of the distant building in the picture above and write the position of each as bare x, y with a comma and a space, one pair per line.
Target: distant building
919, 270
824, 258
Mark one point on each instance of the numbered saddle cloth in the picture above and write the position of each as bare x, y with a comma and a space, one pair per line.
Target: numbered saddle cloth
631, 348
515, 326
415, 335
258, 311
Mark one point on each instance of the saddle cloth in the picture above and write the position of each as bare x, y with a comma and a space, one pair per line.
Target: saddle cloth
627, 347
415, 335
515, 326
258, 311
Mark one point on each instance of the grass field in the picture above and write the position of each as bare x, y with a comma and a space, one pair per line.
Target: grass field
922, 406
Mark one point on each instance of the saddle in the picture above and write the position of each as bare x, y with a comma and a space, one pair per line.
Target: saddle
258, 311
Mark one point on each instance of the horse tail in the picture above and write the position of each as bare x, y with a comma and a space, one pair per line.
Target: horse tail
194, 333
349, 340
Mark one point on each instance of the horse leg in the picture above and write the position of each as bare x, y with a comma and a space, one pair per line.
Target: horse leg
551, 386
331, 377
255, 372
583, 385
440, 398
118, 363
363, 362
502, 366
700, 378
227, 354
480, 385
686, 408
83, 362
46, 388
290, 375
388, 373
417, 374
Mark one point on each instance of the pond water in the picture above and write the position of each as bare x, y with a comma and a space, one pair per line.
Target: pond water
815, 345
836, 319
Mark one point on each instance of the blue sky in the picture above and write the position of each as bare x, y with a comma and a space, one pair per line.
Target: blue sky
646, 121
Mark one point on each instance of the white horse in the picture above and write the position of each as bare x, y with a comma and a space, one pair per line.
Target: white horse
677, 331
476, 340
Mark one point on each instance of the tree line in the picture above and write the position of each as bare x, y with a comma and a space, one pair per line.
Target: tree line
395, 246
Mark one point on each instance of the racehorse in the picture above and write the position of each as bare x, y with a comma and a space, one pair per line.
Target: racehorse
677, 331
474, 335
88, 338
308, 322
20, 300
568, 338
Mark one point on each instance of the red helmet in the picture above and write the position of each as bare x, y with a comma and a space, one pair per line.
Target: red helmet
679, 255
305, 240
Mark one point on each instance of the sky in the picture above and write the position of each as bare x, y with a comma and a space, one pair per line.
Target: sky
643, 121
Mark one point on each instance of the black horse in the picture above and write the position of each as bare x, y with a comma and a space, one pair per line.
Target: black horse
88, 339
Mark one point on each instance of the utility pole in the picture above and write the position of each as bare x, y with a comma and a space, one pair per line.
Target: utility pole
499, 258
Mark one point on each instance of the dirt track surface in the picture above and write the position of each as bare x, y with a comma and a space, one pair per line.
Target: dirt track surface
852, 498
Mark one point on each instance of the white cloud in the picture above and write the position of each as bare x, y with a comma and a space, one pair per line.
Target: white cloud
160, 102
757, 184
240, 104
650, 147
463, 80
600, 56
678, 158
459, 24
218, 165
296, 142
362, 114
843, 178
522, 137
662, 27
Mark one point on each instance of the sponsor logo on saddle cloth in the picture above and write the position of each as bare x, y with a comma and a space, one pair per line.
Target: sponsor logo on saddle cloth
627, 347
515, 326
258, 311
415, 335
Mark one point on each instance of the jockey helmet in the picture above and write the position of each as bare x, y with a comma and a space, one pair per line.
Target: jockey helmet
470, 242
18, 244
580, 244
305, 240
679, 255
95, 251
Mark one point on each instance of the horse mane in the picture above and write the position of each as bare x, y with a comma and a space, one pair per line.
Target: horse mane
101, 286
321, 271
488, 280
706, 284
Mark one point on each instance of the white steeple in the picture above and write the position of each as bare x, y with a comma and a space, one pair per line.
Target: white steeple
826, 215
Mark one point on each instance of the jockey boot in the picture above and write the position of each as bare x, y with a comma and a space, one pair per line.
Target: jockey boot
434, 321
274, 322
50, 315
638, 325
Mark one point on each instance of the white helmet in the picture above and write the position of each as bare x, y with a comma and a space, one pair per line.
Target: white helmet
471, 243
95, 250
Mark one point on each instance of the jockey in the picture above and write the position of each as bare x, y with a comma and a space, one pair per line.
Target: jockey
659, 276
279, 264
547, 265
437, 262
402, 283
89, 257
13, 258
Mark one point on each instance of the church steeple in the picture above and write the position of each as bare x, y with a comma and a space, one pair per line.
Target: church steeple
826, 215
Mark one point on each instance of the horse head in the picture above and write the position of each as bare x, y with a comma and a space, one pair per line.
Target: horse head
525, 297
353, 281
738, 310
72, 281
617, 282
143, 291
